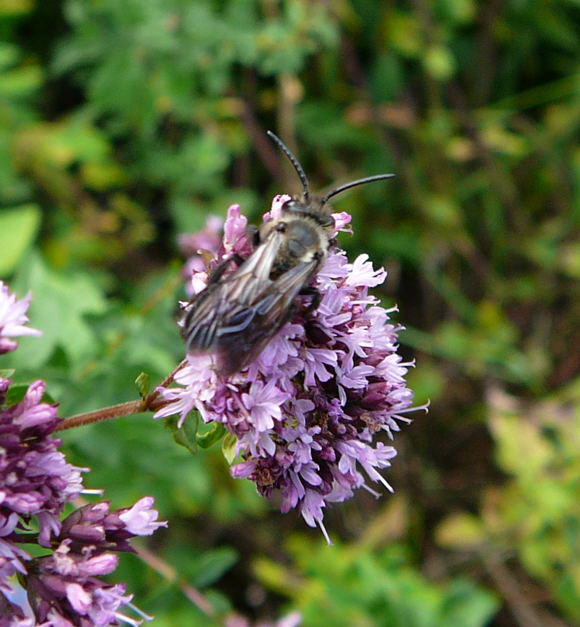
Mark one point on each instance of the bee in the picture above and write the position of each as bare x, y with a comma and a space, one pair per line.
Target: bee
237, 314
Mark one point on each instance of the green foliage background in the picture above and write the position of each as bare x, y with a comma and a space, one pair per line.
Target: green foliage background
124, 123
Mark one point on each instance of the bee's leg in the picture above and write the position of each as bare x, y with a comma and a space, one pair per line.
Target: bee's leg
219, 270
253, 234
238, 259
316, 298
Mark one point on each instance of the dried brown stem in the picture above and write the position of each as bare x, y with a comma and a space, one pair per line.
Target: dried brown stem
523, 611
170, 574
260, 141
289, 94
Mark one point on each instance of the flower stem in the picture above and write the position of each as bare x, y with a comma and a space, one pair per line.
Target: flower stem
149, 403
106, 413
171, 575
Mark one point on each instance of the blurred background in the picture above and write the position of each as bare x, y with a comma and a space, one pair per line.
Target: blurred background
124, 124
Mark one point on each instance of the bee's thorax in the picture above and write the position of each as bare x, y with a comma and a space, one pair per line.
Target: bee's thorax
304, 240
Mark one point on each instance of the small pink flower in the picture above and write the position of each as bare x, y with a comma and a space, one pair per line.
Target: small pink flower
140, 519
13, 319
263, 402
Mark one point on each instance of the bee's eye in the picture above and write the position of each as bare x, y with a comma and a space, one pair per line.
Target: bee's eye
291, 205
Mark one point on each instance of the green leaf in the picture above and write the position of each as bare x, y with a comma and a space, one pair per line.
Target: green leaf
74, 140
6, 373
467, 605
229, 447
58, 308
212, 565
461, 531
143, 383
8, 53
18, 228
439, 63
215, 433
17, 392
186, 435
14, 8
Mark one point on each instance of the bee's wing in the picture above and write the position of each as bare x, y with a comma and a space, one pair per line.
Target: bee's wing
261, 319
226, 304
259, 263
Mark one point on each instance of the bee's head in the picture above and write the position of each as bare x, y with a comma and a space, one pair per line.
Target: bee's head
302, 240
311, 208
316, 208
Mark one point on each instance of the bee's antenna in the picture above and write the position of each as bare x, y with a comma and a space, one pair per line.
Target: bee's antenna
342, 188
294, 162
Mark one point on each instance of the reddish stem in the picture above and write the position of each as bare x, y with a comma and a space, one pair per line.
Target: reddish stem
149, 403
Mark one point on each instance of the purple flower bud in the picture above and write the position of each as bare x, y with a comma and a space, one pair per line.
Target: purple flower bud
195, 246
209, 238
7, 346
12, 615
12, 560
235, 239
35, 479
65, 586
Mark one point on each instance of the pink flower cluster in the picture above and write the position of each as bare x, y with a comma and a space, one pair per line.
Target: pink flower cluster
307, 411
36, 482
65, 585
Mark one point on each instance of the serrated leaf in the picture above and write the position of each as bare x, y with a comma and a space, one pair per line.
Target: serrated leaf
229, 447
59, 305
186, 435
143, 383
215, 434
18, 227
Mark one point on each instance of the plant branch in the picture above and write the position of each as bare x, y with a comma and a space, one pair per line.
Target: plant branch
170, 574
523, 611
149, 403
106, 413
